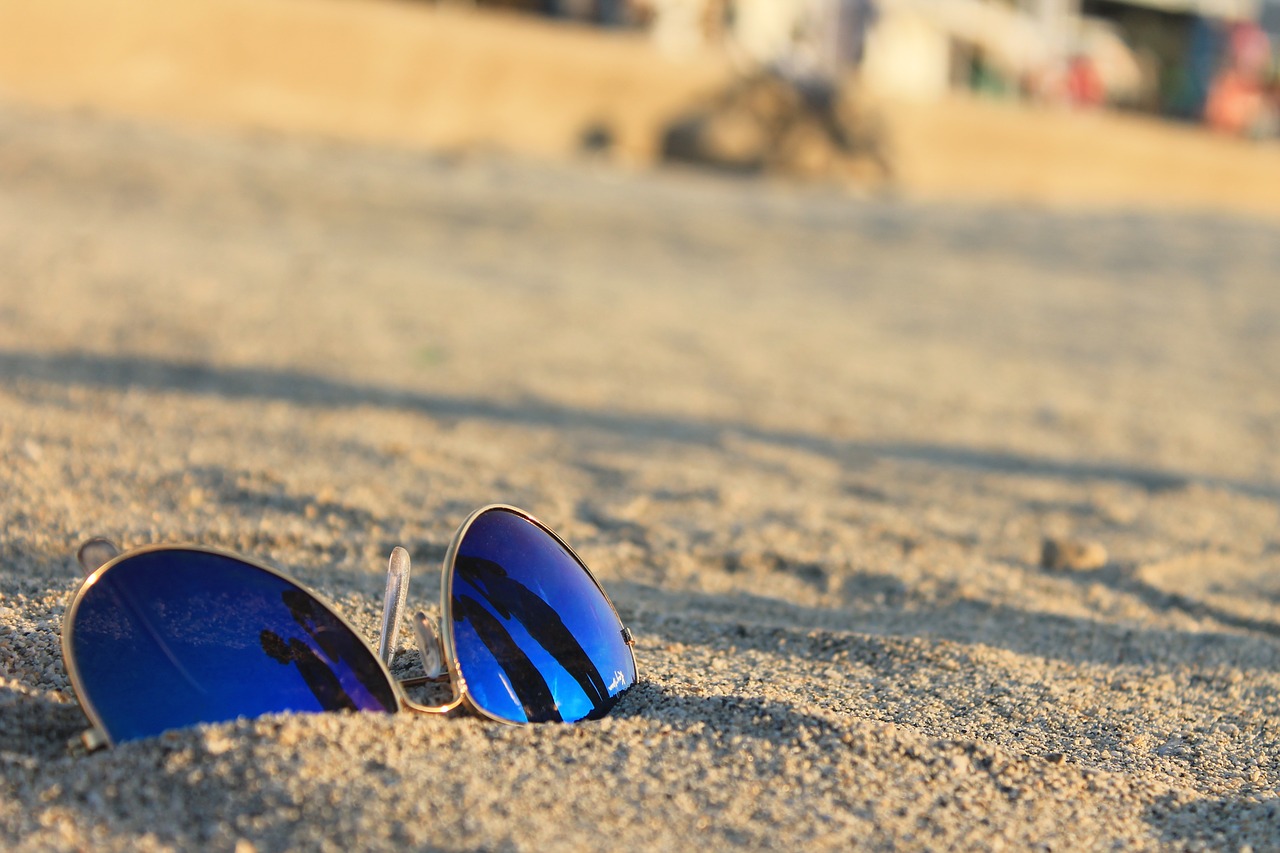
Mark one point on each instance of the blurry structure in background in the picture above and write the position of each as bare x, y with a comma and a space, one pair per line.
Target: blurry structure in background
464, 79
1208, 60
1200, 60
791, 111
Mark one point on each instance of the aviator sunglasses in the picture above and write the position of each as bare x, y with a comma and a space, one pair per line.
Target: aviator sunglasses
165, 637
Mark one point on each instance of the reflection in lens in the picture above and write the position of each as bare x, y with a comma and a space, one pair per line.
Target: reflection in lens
174, 637
535, 639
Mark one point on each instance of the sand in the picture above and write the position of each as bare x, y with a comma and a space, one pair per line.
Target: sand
811, 444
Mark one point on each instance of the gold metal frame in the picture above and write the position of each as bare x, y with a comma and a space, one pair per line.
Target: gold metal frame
97, 736
446, 606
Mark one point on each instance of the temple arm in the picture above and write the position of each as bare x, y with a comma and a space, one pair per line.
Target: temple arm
393, 602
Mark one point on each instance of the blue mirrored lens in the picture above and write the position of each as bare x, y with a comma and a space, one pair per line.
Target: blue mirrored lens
536, 640
170, 638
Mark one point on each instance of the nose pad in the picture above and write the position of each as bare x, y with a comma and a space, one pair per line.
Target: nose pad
95, 553
427, 634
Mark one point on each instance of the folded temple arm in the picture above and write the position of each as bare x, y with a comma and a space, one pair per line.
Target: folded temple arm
393, 602
424, 629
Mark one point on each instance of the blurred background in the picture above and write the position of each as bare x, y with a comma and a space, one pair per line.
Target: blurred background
1079, 102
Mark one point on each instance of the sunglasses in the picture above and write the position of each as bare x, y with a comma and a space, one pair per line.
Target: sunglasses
165, 637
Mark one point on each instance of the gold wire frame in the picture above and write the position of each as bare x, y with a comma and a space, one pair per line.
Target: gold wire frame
446, 605
97, 736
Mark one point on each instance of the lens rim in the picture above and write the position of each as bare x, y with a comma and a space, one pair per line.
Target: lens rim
68, 623
446, 606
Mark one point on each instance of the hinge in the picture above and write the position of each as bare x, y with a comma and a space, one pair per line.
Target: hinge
626, 636
91, 740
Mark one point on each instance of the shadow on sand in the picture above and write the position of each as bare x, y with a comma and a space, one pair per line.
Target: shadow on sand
153, 374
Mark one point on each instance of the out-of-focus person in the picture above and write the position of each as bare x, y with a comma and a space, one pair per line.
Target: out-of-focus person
789, 110
677, 27
1084, 86
1239, 101
810, 38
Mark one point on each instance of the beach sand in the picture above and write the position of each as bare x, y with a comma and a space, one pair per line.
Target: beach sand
810, 444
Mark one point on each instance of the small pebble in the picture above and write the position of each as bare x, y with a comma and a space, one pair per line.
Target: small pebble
1072, 555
